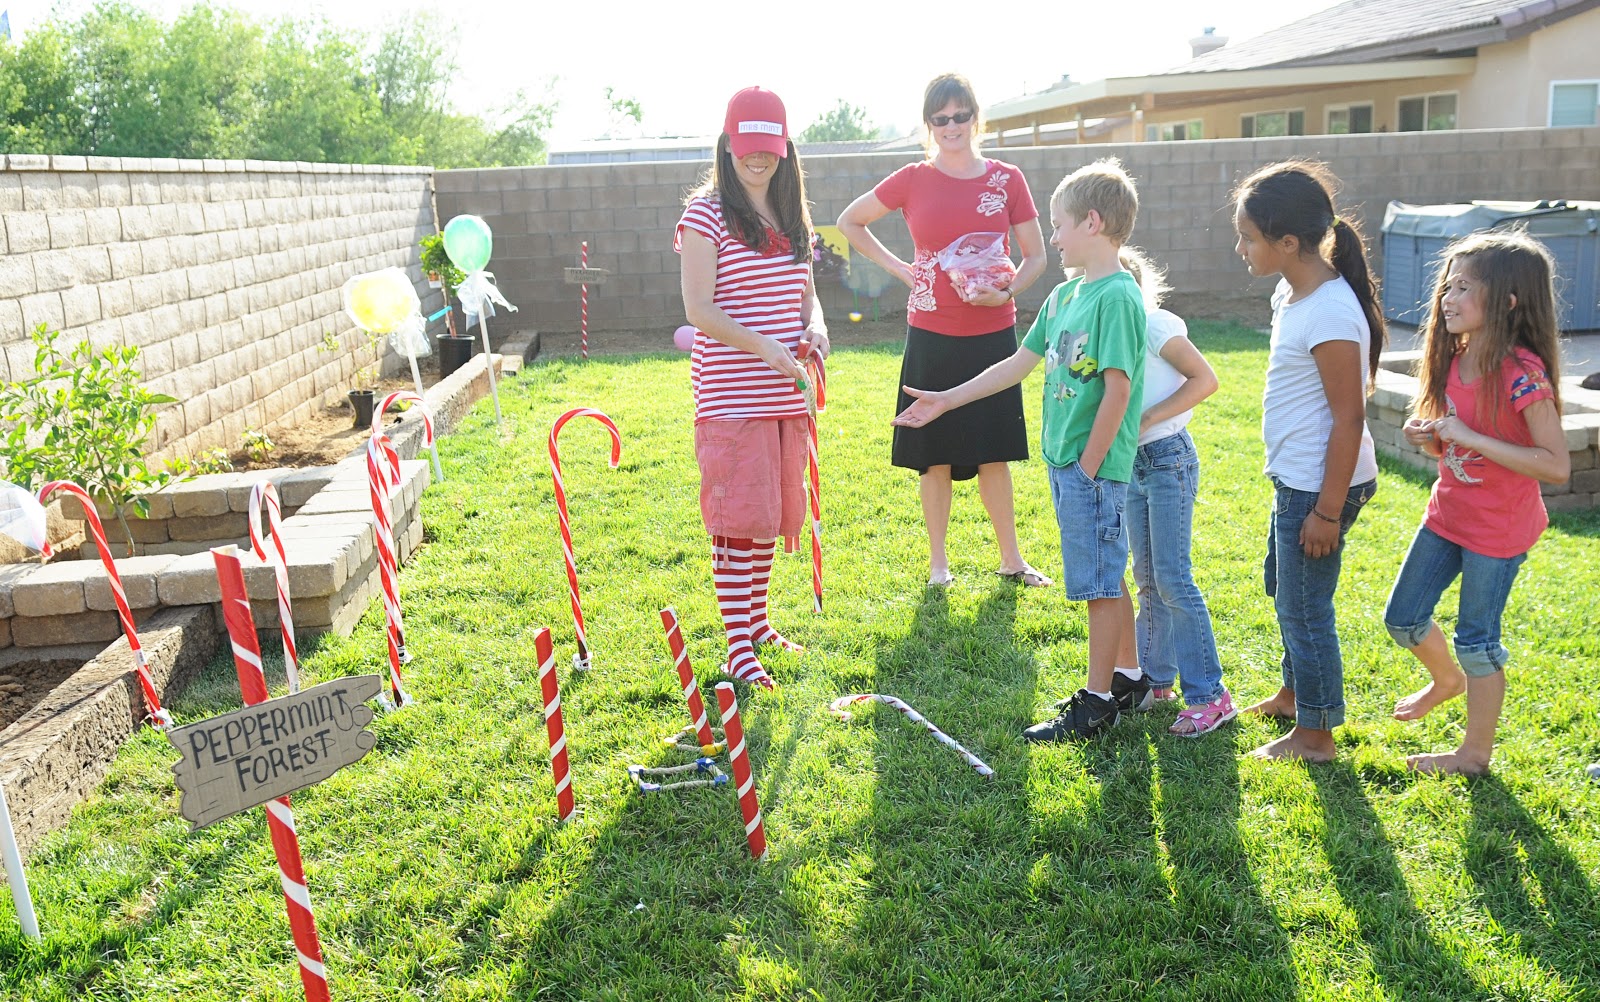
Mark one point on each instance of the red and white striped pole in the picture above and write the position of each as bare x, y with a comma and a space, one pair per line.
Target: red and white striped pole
581, 661
743, 780
818, 379
555, 727
583, 261
141, 667
691, 688
277, 556
383, 479
280, 817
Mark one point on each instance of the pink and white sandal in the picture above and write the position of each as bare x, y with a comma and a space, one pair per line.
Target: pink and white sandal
1198, 720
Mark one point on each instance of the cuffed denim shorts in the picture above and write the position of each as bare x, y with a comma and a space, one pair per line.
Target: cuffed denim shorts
1431, 564
1094, 537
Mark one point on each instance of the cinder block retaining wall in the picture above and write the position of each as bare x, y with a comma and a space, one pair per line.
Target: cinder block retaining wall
225, 273
627, 211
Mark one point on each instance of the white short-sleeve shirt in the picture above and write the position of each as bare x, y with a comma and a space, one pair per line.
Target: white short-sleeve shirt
1161, 379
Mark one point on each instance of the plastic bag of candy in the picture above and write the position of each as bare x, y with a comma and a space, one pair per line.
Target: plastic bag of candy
978, 260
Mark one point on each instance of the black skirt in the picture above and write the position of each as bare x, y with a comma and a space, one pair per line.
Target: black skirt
991, 430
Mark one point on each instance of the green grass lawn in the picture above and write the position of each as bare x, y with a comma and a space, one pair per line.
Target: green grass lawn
1139, 866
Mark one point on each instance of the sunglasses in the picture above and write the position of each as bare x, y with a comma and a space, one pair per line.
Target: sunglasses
960, 118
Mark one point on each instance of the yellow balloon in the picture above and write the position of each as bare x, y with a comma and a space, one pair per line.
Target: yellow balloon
379, 300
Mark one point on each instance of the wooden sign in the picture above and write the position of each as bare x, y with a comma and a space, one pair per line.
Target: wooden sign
586, 276
241, 759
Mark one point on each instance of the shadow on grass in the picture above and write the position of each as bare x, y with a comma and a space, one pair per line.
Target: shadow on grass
1403, 953
1532, 885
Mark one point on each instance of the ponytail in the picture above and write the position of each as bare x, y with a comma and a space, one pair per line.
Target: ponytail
1350, 261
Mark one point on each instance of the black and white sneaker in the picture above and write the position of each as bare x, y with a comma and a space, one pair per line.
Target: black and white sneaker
1133, 695
1084, 716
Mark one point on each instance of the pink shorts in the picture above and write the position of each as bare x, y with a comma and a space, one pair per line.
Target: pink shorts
752, 477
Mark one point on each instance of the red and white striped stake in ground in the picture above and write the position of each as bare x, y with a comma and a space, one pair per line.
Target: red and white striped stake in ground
837, 707
555, 727
691, 688
383, 478
816, 402
275, 555
581, 661
280, 817
583, 262
158, 716
743, 780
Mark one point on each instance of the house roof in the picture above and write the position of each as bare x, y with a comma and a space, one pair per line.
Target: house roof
1367, 30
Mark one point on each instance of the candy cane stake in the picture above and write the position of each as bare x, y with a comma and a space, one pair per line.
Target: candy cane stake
280, 817
837, 708
278, 558
691, 689
158, 716
583, 261
383, 479
555, 726
581, 661
744, 781
815, 388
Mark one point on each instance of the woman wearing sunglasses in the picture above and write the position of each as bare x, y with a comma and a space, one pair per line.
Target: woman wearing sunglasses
955, 332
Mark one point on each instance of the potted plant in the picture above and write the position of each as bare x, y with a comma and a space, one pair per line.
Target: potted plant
454, 349
361, 395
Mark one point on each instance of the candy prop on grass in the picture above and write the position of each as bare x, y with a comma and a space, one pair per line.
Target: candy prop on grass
158, 716
744, 780
280, 816
555, 726
383, 479
816, 394
468, 243
277, 556
837, 708
707, 766
699, 727
582, 660
978, 260
385, 302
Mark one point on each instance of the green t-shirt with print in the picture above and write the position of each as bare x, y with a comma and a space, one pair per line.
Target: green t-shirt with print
1084, 329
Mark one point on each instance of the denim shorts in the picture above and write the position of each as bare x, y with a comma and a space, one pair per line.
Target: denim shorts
1094, 537
1431, 564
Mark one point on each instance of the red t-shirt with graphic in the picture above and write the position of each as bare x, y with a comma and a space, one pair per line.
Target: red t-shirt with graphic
939, 209
1477, 503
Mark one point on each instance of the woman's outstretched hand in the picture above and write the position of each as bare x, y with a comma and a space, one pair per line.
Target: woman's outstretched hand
927, 407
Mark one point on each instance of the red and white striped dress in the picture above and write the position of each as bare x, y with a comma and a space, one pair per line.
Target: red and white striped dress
761, 293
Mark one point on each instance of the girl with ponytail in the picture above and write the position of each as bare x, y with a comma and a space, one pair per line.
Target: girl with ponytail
1327, 334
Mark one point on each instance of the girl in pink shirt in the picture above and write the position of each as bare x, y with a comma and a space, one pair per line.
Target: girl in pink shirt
1489, 406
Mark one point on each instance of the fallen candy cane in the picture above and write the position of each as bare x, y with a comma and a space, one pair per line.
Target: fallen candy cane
278, 558
739, 759
582, 660
555, 726
837, 708
698, 726
383, 479
158, 716
280, 817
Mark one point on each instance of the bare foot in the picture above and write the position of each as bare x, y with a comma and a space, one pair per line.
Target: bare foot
1280, 705
939, 577
1458, 761
1300, 744
1417, 705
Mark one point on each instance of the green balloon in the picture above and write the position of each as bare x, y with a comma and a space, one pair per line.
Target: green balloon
468, 242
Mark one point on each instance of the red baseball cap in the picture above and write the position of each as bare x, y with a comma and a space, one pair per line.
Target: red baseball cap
756, 123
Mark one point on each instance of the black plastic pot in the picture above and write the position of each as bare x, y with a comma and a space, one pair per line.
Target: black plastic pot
455, 350
362, 401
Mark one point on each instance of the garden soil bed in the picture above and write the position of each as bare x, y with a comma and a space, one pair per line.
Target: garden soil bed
24, 682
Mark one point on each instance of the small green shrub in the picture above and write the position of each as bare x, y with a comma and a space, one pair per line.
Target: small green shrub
436, 262
257, 445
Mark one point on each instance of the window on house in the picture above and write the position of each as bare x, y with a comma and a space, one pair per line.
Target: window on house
1170, 131
1352, 118
1428, 114
1575, 102
1265, 124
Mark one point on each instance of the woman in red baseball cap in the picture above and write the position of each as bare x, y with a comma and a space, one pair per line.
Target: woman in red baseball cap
745, 247
953, 332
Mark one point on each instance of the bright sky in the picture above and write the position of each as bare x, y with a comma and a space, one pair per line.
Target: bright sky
683, 61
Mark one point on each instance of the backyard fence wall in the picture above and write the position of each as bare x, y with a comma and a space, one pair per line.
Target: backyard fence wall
225, 274
627, 211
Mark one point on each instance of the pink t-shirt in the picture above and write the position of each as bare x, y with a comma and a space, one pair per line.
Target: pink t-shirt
938, 210
762, 292
1480, 504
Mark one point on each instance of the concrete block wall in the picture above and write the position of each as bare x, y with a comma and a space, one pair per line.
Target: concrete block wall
627, 211
225, 274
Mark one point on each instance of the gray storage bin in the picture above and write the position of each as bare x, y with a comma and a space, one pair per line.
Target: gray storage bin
1415, 236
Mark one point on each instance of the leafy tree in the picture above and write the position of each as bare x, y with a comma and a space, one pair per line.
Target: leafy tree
844, 122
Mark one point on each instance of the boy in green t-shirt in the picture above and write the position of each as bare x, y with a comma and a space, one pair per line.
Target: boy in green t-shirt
1091, 334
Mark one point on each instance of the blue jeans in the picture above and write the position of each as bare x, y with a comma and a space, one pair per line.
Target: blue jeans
1302, 591
1094, 540
1173, 627
1431, 564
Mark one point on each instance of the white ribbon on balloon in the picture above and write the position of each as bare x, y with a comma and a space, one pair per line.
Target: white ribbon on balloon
410, 336
479, 295
22, 517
